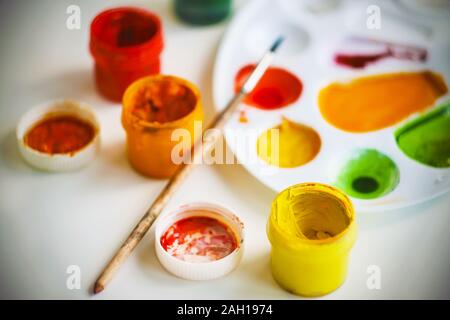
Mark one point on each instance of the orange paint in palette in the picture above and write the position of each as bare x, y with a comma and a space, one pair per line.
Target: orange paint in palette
59, 134
276, 89
376, 102
199, 239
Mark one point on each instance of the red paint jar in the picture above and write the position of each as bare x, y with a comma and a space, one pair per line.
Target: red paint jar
126, 44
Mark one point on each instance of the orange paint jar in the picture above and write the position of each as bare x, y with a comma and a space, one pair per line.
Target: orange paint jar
153, 108
126, 44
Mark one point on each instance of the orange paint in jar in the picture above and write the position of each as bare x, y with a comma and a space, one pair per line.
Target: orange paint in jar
126, 44
153, 107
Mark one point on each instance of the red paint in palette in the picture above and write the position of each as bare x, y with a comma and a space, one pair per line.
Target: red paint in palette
359, 60
397, 51
276, 89
199, 239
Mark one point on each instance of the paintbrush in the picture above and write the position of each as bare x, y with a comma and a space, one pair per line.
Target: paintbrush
158, 205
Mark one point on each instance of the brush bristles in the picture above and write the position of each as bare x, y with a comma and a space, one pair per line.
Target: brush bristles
276, 44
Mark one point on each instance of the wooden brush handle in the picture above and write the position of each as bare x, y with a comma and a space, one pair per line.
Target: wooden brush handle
158, 205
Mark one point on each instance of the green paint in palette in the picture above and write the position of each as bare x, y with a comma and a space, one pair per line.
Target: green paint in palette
427, 138
367, 174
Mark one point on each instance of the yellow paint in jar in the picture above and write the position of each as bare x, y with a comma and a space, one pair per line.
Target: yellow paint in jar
311, 229
153, 107
288, 145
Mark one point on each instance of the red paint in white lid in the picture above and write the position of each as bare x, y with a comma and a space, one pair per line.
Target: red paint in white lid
199, 270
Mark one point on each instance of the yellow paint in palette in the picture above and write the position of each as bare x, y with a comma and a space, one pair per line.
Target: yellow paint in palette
288, 145
376, 102
311, 229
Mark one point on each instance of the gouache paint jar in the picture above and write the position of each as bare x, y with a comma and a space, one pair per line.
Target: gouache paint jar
202, 12
126, 44
153, 108
311, 229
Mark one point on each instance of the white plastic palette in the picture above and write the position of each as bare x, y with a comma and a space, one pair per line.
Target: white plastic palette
311, 40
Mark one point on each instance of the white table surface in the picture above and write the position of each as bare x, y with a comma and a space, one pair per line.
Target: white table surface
51, 221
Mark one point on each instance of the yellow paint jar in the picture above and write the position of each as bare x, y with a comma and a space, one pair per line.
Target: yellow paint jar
312, 229
153, 108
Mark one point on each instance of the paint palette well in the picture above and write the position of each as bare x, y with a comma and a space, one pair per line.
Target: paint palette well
375, 163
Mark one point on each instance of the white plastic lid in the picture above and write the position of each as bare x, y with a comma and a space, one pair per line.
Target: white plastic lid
58, 162
199, 270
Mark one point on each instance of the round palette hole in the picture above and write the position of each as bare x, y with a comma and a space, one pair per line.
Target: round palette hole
367, 174
426, 139
288, 145
276, 89
315, 7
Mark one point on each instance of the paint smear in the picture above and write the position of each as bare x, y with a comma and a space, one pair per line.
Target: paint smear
199, 239
376, 102
359, 60
368, 174
276, 89
427, 138
288, 145
243, 116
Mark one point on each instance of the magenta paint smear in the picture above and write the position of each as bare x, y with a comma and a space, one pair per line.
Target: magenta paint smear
388, 50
